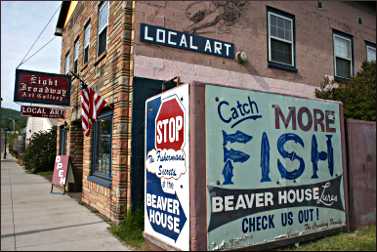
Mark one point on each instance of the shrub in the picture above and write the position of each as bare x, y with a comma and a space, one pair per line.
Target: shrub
358, 94
40, 153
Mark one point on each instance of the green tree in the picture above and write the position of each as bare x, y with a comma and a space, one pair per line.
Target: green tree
358, 94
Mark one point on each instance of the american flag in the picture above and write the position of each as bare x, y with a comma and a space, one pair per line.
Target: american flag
91, 106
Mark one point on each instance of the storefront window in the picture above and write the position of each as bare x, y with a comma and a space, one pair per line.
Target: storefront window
102, 134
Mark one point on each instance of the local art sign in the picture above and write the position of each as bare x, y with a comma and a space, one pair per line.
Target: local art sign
44, 88
182, 40
36, 111
274, 167
166, 168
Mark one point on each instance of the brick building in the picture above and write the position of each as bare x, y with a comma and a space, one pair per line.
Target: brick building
125, 50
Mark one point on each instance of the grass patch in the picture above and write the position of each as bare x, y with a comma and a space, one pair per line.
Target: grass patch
131, 229
45, 174
359, 240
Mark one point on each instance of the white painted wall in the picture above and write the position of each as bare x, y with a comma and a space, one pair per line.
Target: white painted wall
163, 69
35, 124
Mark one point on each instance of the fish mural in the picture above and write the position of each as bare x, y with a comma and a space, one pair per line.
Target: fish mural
228, 173
235, 155
238, 137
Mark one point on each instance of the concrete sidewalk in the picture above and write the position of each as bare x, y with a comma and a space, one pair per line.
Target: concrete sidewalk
34, 219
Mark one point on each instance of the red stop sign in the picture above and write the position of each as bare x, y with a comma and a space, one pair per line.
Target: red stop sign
170, 125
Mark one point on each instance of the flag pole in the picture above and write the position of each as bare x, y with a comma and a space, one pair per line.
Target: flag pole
83, 85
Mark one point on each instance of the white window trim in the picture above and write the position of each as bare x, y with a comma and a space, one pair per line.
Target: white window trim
280, 39
66, 67
76, 52
107, 19
350, 60
370, 47
87, 26
100, 6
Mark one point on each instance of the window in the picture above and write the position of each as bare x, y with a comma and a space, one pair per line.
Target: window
103, 13
66, 63
86, 43
102, 135
76, 55
371, 51
62, 140
343, 61
281, 44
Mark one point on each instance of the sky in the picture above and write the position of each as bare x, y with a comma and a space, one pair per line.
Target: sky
21, 23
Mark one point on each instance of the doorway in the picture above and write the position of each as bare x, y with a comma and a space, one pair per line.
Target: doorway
142, 89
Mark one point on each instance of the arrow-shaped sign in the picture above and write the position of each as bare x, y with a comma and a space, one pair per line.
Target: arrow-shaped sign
163, 216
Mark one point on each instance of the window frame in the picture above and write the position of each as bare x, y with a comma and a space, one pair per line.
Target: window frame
370, 45
76, 57
105, 27
348, 37
98, 177
287, 16
62, 140
88, 24
67, 56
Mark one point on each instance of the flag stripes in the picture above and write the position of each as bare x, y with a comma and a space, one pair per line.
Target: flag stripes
91, 106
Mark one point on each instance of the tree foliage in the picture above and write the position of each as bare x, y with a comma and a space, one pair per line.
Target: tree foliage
40, 153
358, 94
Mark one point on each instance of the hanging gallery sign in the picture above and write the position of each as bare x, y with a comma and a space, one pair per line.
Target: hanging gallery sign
47, 112
166, 168
274, 167
43, 88
187, 41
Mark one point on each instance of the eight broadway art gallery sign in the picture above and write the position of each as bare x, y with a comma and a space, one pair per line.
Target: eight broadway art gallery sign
274, 167
44, 88
166, 168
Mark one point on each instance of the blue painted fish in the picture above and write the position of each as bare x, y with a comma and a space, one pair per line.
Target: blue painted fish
235, 155
228, 173
238, 137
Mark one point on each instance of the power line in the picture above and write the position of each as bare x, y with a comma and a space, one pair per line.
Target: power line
40, 34
39, 50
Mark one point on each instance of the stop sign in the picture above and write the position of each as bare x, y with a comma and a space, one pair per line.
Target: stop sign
170, 125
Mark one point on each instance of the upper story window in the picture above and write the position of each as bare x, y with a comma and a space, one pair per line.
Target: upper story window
101, 153
66, 63
103, 15
86, 43
371, 52
343, 58
281, 44
76, 55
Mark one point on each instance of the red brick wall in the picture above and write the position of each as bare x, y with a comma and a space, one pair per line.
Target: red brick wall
110, 75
